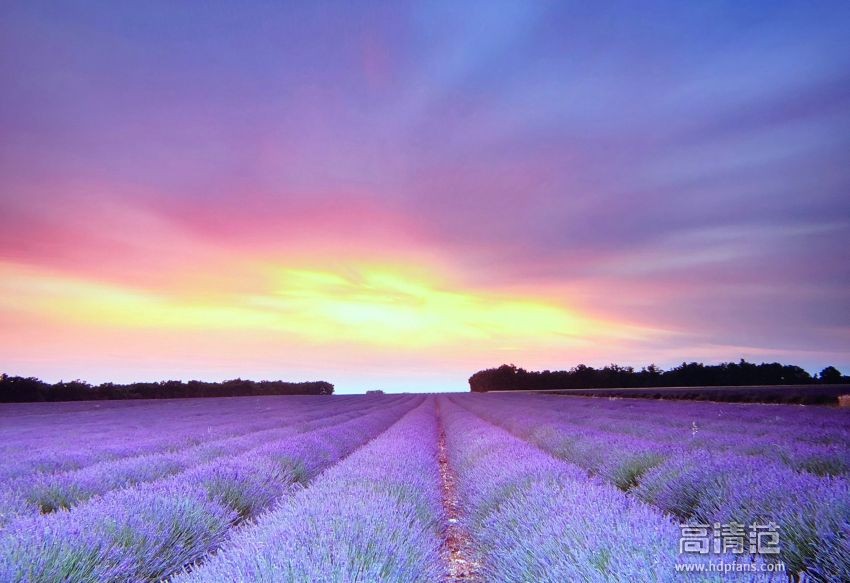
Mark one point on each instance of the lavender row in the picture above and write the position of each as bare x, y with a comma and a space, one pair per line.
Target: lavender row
662, 438
747, 416
796, 424
164, 442
820, 451
149, 531
82, 449
160, 416
813, 512
147, 430
50, 492
818, 442
47, 491
180, 419
374, 517
535, 518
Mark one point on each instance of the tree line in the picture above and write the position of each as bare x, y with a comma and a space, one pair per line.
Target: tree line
509, 377
15, 389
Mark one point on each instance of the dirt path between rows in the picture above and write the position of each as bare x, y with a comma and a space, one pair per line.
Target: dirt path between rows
458, 550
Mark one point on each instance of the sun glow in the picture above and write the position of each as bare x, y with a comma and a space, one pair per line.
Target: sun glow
383, 306
379, 305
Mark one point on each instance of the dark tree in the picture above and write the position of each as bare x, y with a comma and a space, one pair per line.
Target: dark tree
830, 375
21, 390
509, 377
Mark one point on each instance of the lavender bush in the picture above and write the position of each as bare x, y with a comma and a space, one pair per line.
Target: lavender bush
538, 519
694, 483
128, 536
52, 491
373, 517
87, 437
350, 489
188, 515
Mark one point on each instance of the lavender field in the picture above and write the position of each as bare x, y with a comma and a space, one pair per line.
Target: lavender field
407, 488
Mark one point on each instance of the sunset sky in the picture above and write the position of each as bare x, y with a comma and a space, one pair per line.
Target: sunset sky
399, 194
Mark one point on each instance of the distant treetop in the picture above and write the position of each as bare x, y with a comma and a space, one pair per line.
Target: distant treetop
689, 374
15, 389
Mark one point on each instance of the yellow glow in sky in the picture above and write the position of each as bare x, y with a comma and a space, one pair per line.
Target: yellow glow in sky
373, 305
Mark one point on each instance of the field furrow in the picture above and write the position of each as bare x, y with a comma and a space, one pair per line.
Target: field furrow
151, 430
460, 554
376, 516
700, 485
148, 531
818, 444
535, 518
54, 491
448, 489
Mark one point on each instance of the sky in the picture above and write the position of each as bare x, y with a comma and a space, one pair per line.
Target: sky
394, 195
